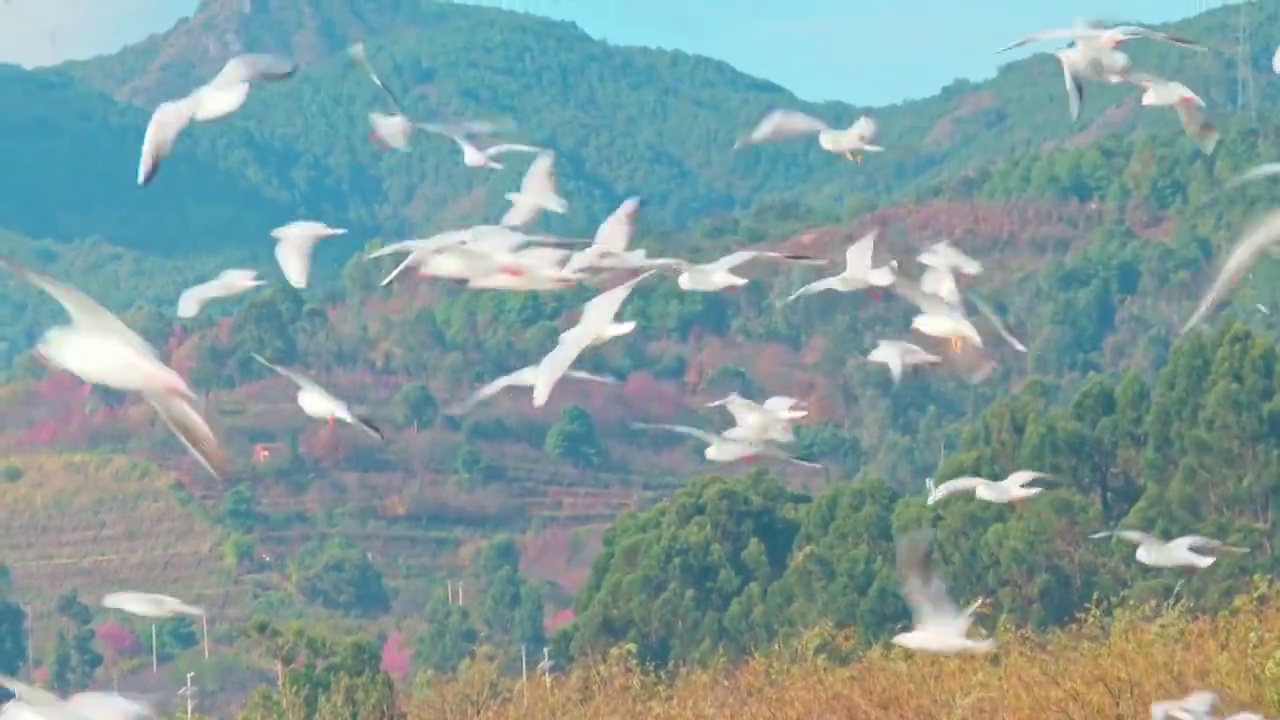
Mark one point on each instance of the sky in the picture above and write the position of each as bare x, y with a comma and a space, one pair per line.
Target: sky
865, 53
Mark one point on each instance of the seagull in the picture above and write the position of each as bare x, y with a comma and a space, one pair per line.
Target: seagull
216, 99
524, 377
596, 326
1196, 706
1095, 36
1262, 234
945, 256
34, 703
473, 156
149, 605
941, 283
316, 402
1189, 106
1082, 62
1012, 489
938, 318
897, 355
858, 272
938, 624
537, 193
430, 255
721, 449
789, 124
100, 349
608, 249
294, 243
1178, 552
532, 268
767, 421
227, 284
718, 274
395, 129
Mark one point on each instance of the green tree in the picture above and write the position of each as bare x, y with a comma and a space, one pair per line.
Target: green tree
574, 438
75, 657
340, 576
13, 629
414, 406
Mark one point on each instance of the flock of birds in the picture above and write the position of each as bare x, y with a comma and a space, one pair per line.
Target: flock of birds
100, 349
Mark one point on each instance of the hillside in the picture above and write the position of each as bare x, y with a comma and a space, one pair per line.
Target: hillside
1094, 252
639, 121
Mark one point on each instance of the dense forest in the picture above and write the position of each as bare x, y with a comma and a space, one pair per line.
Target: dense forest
649, 578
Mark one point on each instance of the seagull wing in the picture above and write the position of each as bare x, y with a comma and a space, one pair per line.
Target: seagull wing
85, 313
302, 381
490, 389
986, 311
1019, 478
541, 176
1198, 126
580, 375
1255, 173
1136, 537
783, 125
1075, 90
734, 259
958, 485
167, 123
1136, 31
496, 150
253, 67
600, 310
361, 58
467, 127
1055, 34
1264, 233
614, 233
921, 587
190, 428
558, 361
703, 435
191, 300
864, 128
857, 257
1200, 542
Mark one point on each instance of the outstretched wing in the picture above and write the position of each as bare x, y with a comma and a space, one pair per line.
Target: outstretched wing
361, 58
956, 485
1262, 234
921, 587
780, 125
298, 378
702, 435
191, 430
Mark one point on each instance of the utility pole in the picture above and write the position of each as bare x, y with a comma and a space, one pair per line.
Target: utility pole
31, 632
459, 593
155, 658
1244, 62
190, 692
449, 585
524, 673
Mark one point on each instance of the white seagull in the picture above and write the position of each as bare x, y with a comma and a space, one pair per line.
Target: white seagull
1012, 489
100, 349
473, 156
945, 256
294, 243
33, 703
227, 284
537, 193
938, 624
852, 141
1178, 552
721, 449
767, 421
219, 97
608, 249
1262, 234
938, 318
1195, 706
858, 273
149, 605
897, 355
524, 377
1159, 92
1094, 35
596, 326
719, 275
318, 403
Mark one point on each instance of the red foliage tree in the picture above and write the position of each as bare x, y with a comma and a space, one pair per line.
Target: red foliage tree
397, 659
118, 640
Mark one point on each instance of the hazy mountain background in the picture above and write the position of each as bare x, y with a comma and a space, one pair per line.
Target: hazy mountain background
1097, 237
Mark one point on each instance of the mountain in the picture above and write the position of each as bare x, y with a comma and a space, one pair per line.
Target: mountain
1096, 242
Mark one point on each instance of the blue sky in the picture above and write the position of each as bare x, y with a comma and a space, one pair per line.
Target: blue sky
869, 53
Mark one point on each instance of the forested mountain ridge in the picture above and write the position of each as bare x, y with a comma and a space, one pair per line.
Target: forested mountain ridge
1093, 256
630, 121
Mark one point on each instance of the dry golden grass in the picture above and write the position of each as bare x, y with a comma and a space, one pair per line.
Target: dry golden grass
1089, 671
97, 523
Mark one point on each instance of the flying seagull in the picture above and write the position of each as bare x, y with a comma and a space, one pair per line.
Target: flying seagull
721, 449
778, 125
227, 284
938, 624
318, 403
100, 349
1178, 552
